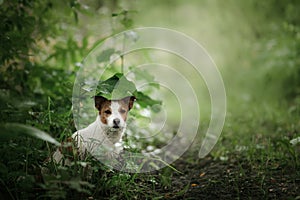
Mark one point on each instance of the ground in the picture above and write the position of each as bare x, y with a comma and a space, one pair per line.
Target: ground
234, 178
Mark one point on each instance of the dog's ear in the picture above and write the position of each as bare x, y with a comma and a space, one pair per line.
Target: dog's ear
129, 100
99, 100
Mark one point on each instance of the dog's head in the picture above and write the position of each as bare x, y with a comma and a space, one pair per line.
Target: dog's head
113, 113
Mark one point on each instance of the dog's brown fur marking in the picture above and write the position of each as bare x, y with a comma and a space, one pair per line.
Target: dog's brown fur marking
103, 112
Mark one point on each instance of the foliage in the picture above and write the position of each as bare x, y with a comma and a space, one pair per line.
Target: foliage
118, 87
14, 129
280, 50
37, 75
42, 44
27, 24
270, 58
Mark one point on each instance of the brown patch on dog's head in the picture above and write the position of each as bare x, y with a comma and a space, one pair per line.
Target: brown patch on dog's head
128, 101
103, 106
99, 100
125, 105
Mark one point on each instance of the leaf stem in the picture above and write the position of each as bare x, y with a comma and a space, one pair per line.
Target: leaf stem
122, 54
49, 110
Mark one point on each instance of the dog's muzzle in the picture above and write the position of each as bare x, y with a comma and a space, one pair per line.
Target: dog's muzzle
116, 123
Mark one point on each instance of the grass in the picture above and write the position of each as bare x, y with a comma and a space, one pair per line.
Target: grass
253, 159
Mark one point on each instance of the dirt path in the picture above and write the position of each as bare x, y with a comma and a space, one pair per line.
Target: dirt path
232, 179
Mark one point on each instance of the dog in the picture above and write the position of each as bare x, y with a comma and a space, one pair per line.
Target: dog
102, 139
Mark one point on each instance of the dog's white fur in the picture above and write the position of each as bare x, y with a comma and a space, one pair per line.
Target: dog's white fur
99, 137
101, 140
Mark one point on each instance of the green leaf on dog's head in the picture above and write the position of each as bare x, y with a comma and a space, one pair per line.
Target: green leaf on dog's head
119, 87
116, 87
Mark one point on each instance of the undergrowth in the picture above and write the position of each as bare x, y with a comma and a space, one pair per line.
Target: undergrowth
256, 156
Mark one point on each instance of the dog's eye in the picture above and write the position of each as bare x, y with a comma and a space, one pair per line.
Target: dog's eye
107, 112
122, 111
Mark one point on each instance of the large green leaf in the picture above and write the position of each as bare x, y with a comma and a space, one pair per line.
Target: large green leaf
145, 101
118, 87
12, 130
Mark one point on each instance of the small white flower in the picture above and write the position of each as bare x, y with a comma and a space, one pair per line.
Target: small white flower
157, 151
295, 141
223, 158
150, 148
132, 35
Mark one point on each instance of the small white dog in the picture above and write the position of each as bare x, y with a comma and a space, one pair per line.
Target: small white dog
102, 138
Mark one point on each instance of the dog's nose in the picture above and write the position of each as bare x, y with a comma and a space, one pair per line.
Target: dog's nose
116, 122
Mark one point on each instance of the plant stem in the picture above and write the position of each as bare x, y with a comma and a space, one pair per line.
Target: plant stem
122, 54
49, 110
